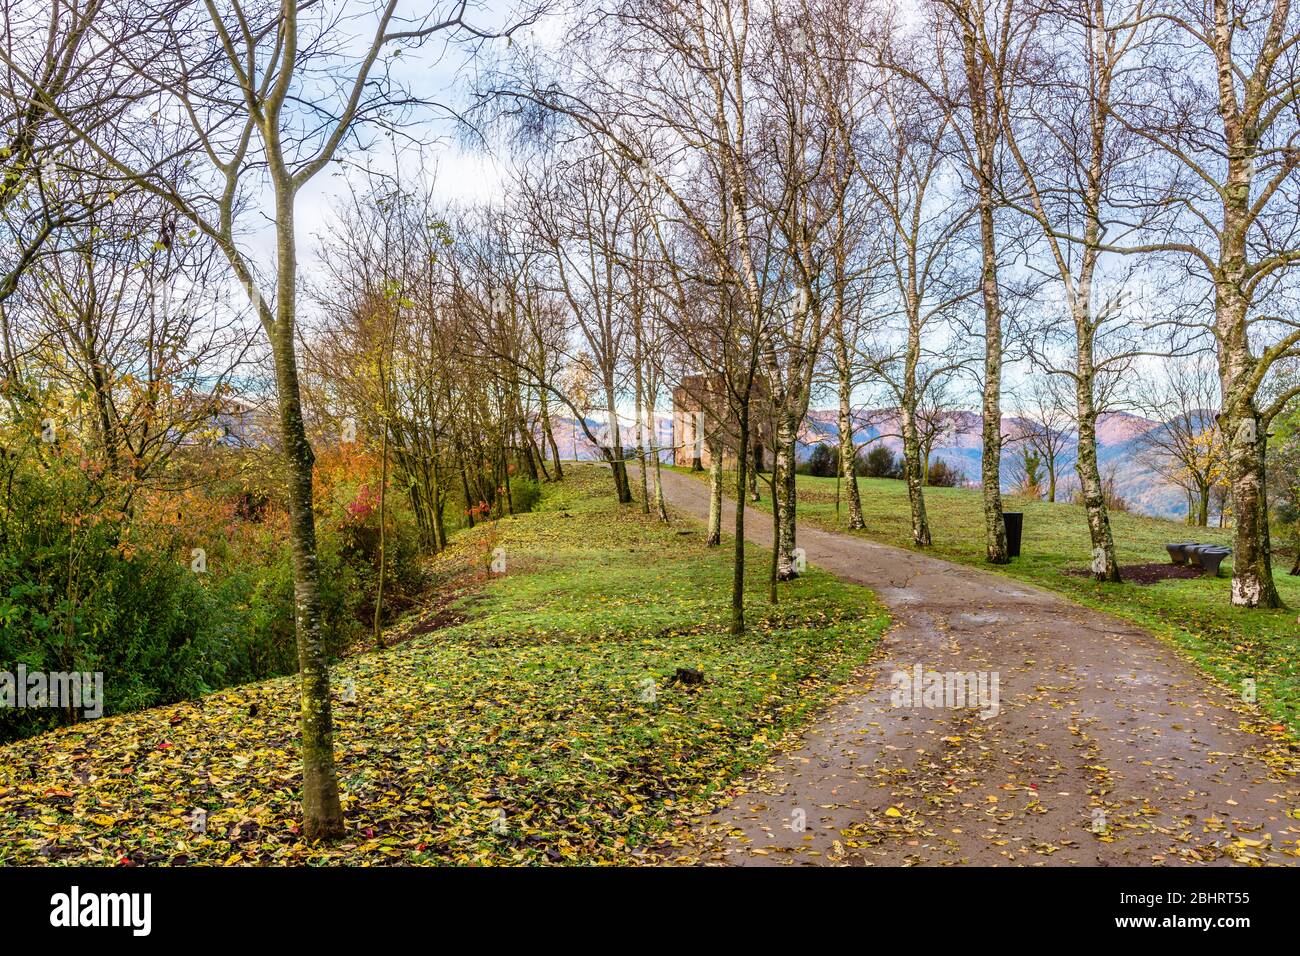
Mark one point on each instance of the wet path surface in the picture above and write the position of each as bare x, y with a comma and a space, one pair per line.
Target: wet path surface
1106, 748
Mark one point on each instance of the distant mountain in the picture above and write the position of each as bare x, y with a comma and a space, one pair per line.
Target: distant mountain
1119, 447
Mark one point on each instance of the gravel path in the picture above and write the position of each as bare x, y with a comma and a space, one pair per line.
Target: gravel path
1106, 748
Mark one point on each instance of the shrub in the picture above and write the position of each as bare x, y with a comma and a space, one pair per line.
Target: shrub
881, 463
524, 493
944, 475
88, 586
85, 590
824, 461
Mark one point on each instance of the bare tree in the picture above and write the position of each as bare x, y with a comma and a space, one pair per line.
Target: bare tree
980, 37
59, 58
122, 312
936, 413
582, 213
1076, 173
1185, 446
261, 94
803, 184
1045, 427
666, 88
908, 164
1221, 106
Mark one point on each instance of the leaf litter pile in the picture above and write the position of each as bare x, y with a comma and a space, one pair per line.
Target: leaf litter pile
588, 706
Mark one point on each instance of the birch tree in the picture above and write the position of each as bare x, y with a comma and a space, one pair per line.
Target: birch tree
804, 183
1076, 174
925, 243
974, 39
1223, 108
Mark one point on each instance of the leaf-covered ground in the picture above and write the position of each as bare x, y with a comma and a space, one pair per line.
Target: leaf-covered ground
545, 728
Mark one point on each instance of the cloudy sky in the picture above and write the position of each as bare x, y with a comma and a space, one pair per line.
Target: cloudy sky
442, 73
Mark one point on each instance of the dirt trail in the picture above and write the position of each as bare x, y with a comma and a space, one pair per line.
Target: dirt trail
1106, 748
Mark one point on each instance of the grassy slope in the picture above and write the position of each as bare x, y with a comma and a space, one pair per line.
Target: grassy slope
531, 708
1194, 614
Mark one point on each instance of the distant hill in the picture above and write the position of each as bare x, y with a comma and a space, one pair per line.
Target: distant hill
1119, 441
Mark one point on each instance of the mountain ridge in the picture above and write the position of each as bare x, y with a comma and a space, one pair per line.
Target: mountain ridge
1119, 449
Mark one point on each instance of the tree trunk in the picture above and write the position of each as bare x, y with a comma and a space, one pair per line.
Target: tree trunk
1252, 568
435, 499
534, 461
986, 134
622, 486
738, 563
383, 531
1104, 565
641, 461
469, 495
505, 479
614, 453
640, 430
550, 436
848, 456
540, 454
661, 510
322, 812
1252, 565
714, 537
912, 474
439, 503
995, 531
784, 495
775, 568
697, 440
525, 441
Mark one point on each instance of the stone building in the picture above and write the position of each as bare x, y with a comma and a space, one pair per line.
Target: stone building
702, 420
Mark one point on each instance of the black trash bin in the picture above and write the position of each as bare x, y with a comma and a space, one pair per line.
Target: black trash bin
1015, 522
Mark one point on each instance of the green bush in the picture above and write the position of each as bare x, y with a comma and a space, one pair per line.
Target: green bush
524, 494
75, 595
84, 587
880, 462
824, 462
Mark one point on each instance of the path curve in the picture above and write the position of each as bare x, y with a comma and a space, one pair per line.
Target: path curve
1094, 714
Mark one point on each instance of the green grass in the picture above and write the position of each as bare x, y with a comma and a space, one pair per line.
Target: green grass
1194, 614
526, 733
